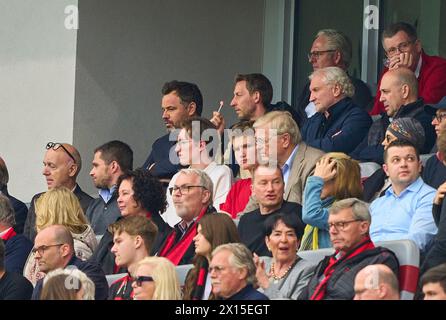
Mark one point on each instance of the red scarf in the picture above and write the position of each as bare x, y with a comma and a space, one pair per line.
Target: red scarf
8, 235
175, 251
321, 289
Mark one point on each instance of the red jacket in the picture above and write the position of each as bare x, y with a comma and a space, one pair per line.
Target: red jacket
431, 82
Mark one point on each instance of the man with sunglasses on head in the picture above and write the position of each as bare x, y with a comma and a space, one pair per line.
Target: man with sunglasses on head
332, 48
54, 249
399, 93
61, 166
404, 50
334, 278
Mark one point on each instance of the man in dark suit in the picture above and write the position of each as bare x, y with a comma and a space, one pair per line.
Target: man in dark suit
61, 166
20, 209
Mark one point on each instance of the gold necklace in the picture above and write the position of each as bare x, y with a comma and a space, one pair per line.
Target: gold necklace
276, 277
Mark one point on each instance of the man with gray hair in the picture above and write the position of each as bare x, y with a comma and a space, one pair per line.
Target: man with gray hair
20, 209
192, 197
17, 246
233, 273
348, 223
376, 282
339, 124
332, 48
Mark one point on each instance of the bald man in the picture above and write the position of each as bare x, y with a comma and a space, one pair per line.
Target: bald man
20, 209
53, 249
61, 166
399, 94
376, 282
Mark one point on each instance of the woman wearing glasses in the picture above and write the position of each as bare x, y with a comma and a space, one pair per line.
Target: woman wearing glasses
335, 177
156, 279
60, 206
213, 230
399, 129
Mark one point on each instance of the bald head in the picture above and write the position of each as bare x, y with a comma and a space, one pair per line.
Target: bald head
376, 282
54, 248
62, 164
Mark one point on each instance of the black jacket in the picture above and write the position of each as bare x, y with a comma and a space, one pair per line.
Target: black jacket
370, 149
20, 210
341, 284
92, 271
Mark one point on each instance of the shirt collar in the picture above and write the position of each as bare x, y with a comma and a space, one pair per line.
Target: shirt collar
107, 194
290, 160
413, 187
5, 232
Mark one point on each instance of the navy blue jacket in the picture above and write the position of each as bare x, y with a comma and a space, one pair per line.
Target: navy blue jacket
434, 172
17, 250
345, 127
163, 168
20, 210
93, 271
248, 293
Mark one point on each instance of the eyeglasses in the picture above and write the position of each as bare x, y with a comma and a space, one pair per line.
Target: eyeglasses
317, 54
216, 269
56, 145
402, 47
41, 250
340, 226
439, 117
139, 280
183, 189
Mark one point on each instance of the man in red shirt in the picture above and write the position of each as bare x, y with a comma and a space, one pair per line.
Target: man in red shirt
403, 49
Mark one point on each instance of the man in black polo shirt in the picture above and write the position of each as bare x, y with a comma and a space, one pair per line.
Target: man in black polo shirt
268, 188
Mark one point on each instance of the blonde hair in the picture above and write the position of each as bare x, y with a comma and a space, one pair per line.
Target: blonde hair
60, 206
64, 284
347, 182
167, 285
283, 122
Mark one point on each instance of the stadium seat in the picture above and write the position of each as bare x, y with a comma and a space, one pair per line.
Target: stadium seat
425, 157
113, 277
408, 256
368, 168
182, 271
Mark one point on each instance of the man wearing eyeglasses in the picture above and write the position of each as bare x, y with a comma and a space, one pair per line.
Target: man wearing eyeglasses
332, 48
405, 209
403, 49
192, 198
399, 93
61, 166
334, 278
434, 172
53, 249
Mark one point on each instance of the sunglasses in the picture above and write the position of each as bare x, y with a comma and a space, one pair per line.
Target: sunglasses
56, 145
139, 280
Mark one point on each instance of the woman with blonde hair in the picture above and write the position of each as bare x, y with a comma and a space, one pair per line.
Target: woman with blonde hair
67, 284
336, 177
156, 279
60, 206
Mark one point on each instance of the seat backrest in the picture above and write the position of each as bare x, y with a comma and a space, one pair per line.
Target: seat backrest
408, 256
113, 277
315, 256
368, 168
182, 271
425, 157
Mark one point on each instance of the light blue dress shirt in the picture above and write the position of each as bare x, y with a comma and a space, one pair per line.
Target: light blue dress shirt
107, 194
286, 168
407, 216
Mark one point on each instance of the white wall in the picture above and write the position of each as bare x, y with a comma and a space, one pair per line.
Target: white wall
37, 76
